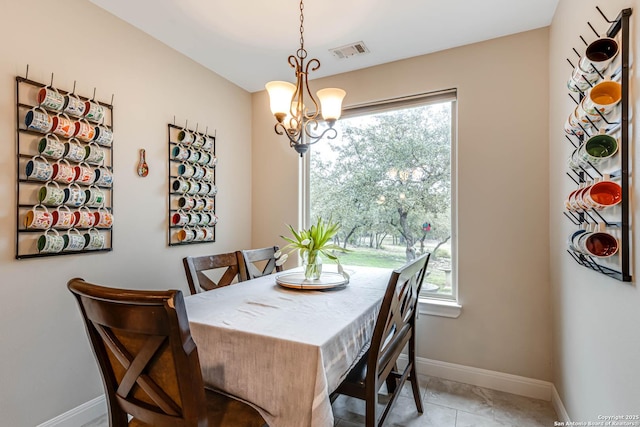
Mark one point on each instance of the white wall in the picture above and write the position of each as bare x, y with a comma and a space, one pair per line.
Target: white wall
502, 194
596, 339
46, 366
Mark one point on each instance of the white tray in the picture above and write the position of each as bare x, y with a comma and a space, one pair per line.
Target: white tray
297, 280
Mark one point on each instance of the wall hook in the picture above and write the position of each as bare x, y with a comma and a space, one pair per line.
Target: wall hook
593, 29
571, 63
174, 119
603, 16
51, 84
186, 124
74, 88
112, 95
26, 75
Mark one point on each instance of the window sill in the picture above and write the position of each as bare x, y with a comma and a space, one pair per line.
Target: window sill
434, 307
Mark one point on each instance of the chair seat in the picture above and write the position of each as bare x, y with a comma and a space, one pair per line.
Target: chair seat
223, 411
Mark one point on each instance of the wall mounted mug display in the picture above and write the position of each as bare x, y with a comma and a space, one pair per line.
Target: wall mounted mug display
51, 194
50, 99
74, 151
63, 217
38, 218
50, 242
74, 106
51, 147
39, 120
73, 240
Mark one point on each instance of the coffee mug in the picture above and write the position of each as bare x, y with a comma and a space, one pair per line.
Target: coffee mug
95, 197
63, 217
186, 170
204, 158
602, 194
208, 234
38, 120
74, 151
104, 136
73, 240
204, 189
213, 191
214, 219
180, 218
73, 106
50, 242
63, 172
84, 218
599, 244
85, 174
93, 154
205, 219
603, 97
208, 143
586, 119
186, 235
180, 185
194, 219
198, 141
38, 218
93, 111
194, 156
94, 240
573, 239
39, 169
209, 204
208, 174
50, 146
213, 162
180, 153
194, 187
581, 80
185, 137
199, 172
50, 99
199, 205
104, 218
104, 177
51, 194
572, 125
598, 148
186, 202
199, 234
84, 131
599, 54
74, 196
64, 126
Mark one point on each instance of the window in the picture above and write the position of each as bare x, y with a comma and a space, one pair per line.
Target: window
388, 179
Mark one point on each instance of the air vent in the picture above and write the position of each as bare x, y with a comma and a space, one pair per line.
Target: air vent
353, 49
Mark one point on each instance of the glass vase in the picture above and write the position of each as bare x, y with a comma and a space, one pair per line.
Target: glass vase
312, 263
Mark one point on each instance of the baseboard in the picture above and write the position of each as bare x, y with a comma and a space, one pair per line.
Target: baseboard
514, 384
559, 406
79, 415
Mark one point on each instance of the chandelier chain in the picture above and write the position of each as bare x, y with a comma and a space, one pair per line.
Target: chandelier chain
301, 26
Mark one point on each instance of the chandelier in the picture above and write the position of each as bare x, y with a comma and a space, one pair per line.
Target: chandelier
287, 102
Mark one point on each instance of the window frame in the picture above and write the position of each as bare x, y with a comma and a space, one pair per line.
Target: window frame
438, 305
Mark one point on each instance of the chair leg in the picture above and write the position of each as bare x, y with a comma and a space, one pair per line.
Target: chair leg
413, 378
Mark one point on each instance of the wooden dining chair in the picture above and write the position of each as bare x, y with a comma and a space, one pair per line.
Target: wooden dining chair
149, 362
394, 329
263, 259
196, 267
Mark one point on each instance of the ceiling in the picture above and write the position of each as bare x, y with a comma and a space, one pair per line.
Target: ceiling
248, 41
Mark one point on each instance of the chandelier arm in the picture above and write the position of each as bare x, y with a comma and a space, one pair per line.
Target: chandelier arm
329, 133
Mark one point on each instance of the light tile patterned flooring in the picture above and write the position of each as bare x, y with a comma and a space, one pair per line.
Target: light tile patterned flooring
446, 404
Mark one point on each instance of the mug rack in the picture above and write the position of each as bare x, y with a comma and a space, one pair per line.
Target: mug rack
92, 196
614, 219
192, 186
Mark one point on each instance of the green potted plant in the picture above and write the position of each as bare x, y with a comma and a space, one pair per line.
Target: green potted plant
311, 243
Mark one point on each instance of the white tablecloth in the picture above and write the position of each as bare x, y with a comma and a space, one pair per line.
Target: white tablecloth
284, 350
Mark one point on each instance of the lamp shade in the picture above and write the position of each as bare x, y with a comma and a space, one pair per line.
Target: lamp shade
280, 94
331, 102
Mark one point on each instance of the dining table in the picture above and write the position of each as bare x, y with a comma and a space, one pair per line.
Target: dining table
284, 350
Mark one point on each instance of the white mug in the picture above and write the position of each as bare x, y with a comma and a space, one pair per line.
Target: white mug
104, 177
38, 218
50, 99
73, 240
73, 106
63, 217
94, 240
39, 169
50, 146
38, 120
50, 242
51, 194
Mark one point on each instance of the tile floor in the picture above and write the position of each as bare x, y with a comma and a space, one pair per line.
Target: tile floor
446, 404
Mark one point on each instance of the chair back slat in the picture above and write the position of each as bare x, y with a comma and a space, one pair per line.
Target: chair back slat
148, 360
196, 267
254, 258
396, 320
